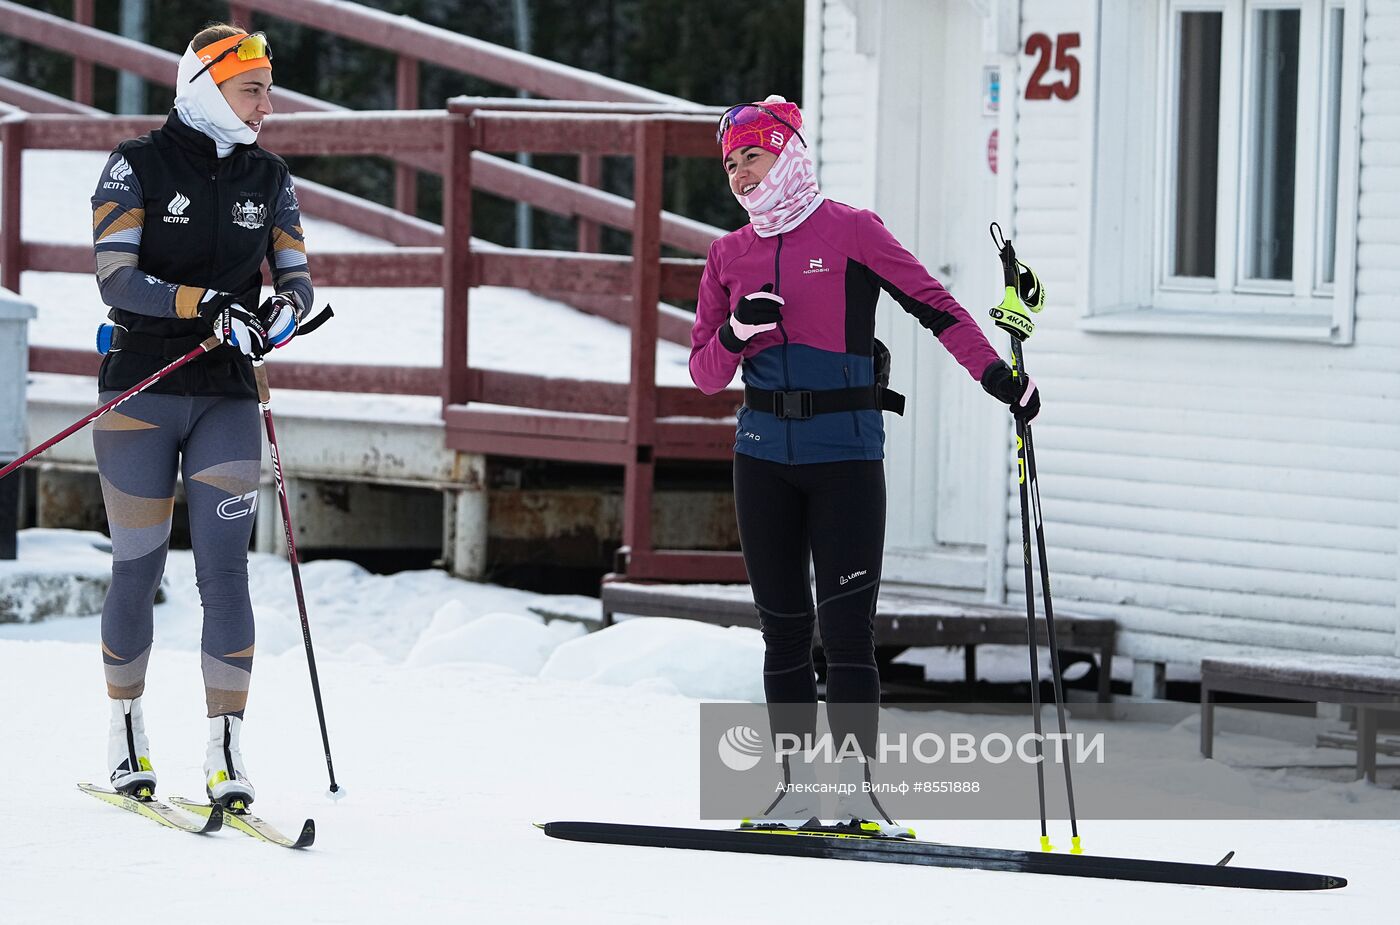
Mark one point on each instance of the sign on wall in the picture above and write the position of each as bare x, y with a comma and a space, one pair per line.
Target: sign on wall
1053, 54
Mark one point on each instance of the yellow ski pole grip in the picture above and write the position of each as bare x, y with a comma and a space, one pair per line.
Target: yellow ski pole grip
1012, 317
1022, 292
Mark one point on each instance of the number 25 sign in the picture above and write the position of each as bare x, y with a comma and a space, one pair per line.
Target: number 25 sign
1061, 49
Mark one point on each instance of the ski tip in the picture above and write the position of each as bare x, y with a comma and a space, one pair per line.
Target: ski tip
214, 821
308, 835
1225, 860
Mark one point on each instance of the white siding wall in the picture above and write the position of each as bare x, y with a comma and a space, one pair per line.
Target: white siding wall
1378, 247
1213, 495
845, 146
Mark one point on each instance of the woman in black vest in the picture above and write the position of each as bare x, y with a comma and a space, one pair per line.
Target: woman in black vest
183, 219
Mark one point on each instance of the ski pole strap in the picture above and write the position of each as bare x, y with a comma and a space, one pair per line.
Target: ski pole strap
801, 404
312, 322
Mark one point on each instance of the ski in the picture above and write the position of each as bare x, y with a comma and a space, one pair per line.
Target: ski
824, 831
156, 811
797, 843
251, 825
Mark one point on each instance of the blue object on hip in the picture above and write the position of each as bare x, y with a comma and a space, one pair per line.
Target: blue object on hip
104, 338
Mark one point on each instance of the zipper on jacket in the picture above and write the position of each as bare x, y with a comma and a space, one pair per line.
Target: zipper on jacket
213, 247
787, 378
214, 225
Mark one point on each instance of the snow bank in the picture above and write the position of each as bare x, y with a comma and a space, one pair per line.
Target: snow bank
57, 573
693, 659
521, 643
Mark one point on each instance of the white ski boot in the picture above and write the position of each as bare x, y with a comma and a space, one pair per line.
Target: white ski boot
857, 807
128, 751
225, 777
798, 805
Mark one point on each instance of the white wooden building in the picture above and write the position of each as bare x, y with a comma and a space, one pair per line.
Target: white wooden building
1210, 191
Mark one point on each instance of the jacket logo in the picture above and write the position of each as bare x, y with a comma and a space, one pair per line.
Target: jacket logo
176, 207
815, 265
249, 215
119, 172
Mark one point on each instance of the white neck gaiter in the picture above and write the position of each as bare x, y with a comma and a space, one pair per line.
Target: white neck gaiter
786, 195
202, 107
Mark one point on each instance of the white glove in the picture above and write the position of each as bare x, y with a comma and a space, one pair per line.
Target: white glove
233, 324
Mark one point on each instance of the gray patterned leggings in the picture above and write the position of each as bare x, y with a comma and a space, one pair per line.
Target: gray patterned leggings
214, 443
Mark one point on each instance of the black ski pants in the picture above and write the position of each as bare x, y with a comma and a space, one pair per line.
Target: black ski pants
828, 518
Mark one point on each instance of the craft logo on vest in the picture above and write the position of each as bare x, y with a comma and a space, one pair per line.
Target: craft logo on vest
249, 215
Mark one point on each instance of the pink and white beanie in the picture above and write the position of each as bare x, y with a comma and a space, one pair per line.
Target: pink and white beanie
788, 193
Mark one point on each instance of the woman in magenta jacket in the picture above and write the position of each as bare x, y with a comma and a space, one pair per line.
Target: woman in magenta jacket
791, 299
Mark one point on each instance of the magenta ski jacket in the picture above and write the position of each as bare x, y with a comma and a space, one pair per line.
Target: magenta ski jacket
829, 271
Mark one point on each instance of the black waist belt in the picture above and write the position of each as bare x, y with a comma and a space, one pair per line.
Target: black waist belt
802, 404
148, 345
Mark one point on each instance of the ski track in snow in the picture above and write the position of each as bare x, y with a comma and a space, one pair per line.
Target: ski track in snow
457, 719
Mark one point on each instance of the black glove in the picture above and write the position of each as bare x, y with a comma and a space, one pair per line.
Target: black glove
1017, 391
234, 324
278, 315
756, 313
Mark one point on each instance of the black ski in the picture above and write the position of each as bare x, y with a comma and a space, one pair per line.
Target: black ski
932, 854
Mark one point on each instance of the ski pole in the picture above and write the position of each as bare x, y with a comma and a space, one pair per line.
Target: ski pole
265, 401
1023, 290
208, 344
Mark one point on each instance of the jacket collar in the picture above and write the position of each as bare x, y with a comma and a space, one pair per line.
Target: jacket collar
195, 141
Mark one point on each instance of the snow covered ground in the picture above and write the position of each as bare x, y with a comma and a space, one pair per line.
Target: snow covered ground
457, 719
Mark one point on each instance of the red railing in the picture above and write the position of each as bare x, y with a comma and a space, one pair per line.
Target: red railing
311, 133
487, 411
591, 207
414, 43
632, 427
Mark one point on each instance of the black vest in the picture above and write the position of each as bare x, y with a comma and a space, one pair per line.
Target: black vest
200, 230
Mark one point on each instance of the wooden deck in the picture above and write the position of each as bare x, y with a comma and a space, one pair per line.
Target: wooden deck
1367, 683
904, 618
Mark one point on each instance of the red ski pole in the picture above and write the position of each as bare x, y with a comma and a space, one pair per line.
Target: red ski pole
209, 344
335, 791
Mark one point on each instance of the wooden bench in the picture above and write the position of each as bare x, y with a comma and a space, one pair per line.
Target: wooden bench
1371, 684
903, 619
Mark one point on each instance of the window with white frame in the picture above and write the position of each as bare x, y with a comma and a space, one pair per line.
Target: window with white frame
1252, 202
